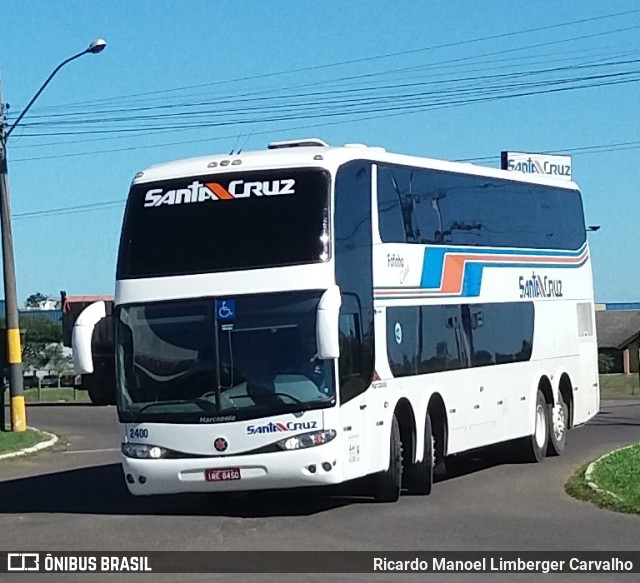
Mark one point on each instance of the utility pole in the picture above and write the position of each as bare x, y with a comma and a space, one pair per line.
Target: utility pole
14, 350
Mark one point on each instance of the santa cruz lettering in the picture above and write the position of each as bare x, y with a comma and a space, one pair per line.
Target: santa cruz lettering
540, 287
278, 427
202, 192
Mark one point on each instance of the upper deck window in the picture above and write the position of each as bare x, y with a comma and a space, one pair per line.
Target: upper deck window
225, 222
418, 205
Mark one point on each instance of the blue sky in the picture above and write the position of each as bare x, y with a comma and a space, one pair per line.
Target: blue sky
454, 80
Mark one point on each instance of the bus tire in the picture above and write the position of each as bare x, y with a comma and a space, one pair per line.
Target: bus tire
101, 392
558, 427
533, 448
420, 474
388, 484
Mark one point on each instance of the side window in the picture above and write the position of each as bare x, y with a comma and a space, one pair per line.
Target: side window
444, 341
403, 340
354, 259
390, 205
570, 217
417, 205
350, 367
450, 211
481, 325
500, 333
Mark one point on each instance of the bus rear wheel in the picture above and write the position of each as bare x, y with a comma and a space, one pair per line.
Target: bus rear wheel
388, 484
558, 426
420, 475
533, 448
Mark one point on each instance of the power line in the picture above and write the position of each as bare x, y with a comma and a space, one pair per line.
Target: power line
357, 61
70, 209
259, 96
340, 105
593, 149
322, 98
421, 102
100, 139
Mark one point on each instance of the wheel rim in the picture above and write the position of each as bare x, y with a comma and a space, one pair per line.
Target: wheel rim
541, 430
433, 452
559, 422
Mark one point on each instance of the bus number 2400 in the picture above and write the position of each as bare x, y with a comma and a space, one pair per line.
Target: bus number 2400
139, 433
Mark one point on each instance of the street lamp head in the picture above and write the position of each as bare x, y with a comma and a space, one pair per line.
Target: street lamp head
97, 46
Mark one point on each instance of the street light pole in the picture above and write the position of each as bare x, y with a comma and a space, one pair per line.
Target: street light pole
14, 350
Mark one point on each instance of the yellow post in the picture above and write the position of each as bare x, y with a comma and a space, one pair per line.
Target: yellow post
14, 360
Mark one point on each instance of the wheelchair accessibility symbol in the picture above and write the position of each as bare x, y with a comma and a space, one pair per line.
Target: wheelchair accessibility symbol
227, 310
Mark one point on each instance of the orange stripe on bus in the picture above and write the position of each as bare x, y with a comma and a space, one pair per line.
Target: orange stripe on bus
453, 270
454, 266
221, 192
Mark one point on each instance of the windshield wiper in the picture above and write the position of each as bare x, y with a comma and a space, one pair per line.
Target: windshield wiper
267, 396
277, 407
201, 403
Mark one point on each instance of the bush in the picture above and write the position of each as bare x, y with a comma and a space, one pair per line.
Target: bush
606, 363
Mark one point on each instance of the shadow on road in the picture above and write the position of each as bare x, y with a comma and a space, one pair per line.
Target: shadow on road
101, 490
482, 459
620, 413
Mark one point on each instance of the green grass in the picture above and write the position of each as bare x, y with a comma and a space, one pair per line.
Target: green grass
617, 386
618, 473
13, 441
54, 395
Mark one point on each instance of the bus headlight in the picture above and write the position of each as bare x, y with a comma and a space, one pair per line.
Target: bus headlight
143, 451
305, 440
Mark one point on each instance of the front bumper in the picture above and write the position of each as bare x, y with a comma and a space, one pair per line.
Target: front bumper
315, 466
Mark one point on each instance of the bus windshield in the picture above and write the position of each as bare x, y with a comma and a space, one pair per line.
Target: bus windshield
225, 222
208, 360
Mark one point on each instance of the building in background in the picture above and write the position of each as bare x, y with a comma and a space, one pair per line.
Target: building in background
51, 311
618, 328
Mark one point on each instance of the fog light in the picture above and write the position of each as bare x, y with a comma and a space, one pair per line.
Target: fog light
142, 480
326, 466
130, 479
312, 469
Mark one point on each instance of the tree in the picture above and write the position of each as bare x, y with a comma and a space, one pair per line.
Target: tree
39, 332
35, 300
606, 362
57, 361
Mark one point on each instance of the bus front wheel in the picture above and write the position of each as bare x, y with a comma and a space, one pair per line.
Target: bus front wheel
388, 484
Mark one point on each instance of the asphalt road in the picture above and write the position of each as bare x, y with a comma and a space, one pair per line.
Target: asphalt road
73, 498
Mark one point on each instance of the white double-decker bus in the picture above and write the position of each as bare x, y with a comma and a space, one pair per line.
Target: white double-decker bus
309, 315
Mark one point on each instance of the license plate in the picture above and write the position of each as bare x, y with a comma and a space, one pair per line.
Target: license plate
222, 475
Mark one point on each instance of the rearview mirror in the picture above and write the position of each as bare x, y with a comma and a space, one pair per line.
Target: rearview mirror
327, 319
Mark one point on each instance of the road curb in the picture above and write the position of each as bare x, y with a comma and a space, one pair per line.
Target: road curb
591, 467
49, 440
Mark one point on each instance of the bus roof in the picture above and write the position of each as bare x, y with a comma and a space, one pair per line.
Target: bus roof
308, 152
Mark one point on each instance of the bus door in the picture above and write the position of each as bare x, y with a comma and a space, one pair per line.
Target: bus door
353, 394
